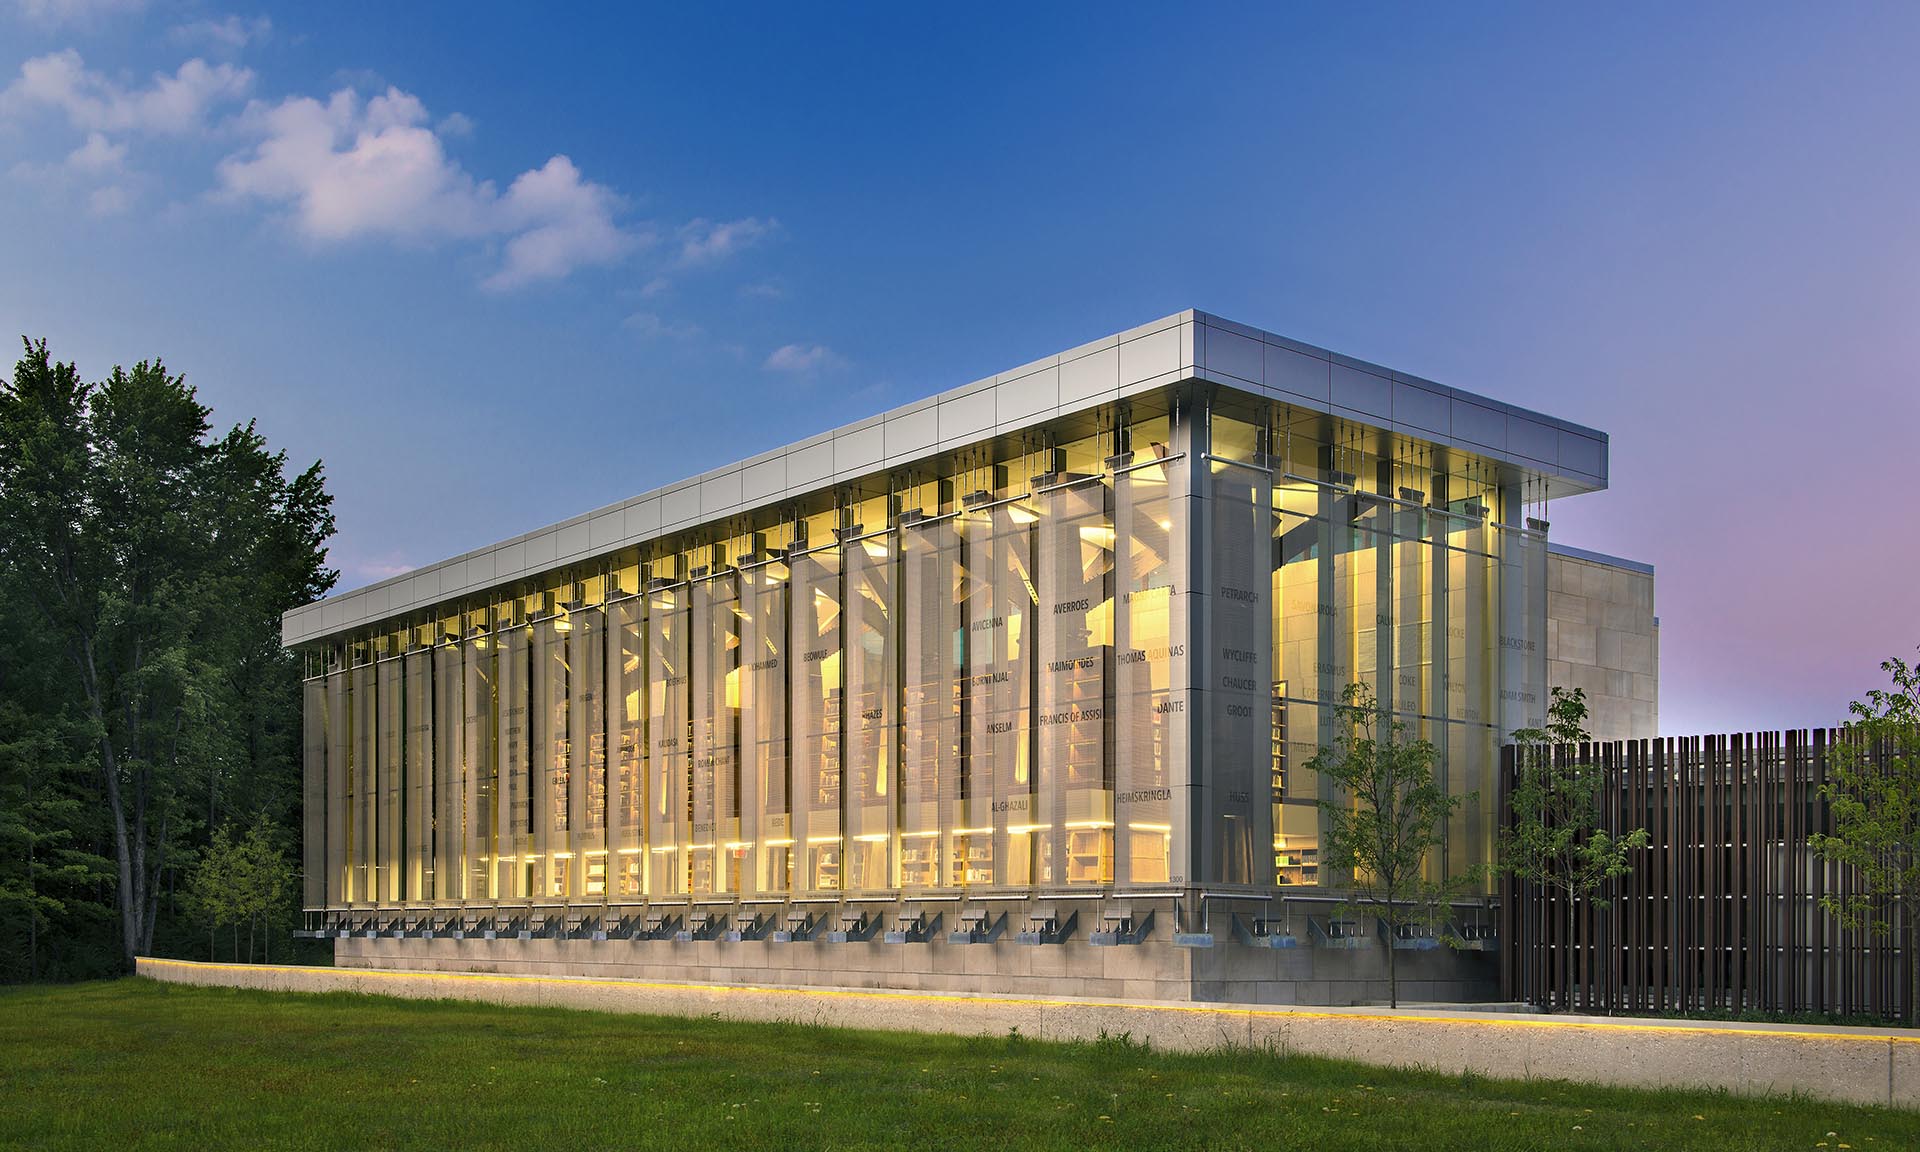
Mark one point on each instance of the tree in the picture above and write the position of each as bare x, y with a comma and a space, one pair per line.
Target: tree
46, 871
213, 891
1873, 797
1555, 837
1388, 816
155, 560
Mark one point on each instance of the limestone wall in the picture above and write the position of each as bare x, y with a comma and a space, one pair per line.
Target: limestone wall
1602, 636
1155, 969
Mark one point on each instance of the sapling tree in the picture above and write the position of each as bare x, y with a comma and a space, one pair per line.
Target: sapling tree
1387, 816
1873, 797
1557, 836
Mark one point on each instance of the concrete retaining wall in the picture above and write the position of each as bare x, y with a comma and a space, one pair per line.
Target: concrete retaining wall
1857, 1065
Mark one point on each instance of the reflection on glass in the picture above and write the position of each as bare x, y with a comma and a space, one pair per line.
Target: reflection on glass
932, 599
667, 727
1073, 815
816, 652
871, 724
766, 826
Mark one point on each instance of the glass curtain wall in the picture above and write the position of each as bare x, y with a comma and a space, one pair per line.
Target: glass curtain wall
449, 775
668, 810
587, 807
715, 851
818, 830
869, 663
1236, 794
418, 878
933, 634
313, 792
1150, 665
997, 692
996, 844
766, 827
1073, 623
480, 762
513, 706
626, 692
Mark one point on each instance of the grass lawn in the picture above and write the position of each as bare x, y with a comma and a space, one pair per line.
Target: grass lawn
139, 1064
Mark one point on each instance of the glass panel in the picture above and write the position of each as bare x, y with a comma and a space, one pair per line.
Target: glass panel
480, 768
419, 878
1238, 795
933, 594
513, 872
587, 741
366, 798
871, 719
449, 784
391, 765
996, 843
1150, 698
1074, 813
715, 852
626, 691
342, 812
766, 824
667, 724
314, 807
817, 828
551, 858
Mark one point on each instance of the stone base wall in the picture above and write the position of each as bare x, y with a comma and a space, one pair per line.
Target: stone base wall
1230, 971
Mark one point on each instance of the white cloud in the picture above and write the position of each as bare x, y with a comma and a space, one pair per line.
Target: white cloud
230, 34
349, 170
110, 200
706, 242
455, 124
95, 171
74, 13
802, 358
172, 105
562, 223
650, 326
97, 156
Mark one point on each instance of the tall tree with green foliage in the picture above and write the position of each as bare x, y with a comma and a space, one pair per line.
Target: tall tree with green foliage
1873, 797
154, 559
47, 872
1387, 819
1556, 835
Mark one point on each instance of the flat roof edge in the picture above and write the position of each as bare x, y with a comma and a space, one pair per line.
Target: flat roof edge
1569, 551
1186, 345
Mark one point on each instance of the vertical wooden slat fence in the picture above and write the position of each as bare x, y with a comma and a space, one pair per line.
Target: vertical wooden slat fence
1722, 912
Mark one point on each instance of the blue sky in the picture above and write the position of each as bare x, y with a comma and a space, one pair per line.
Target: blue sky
497, 267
